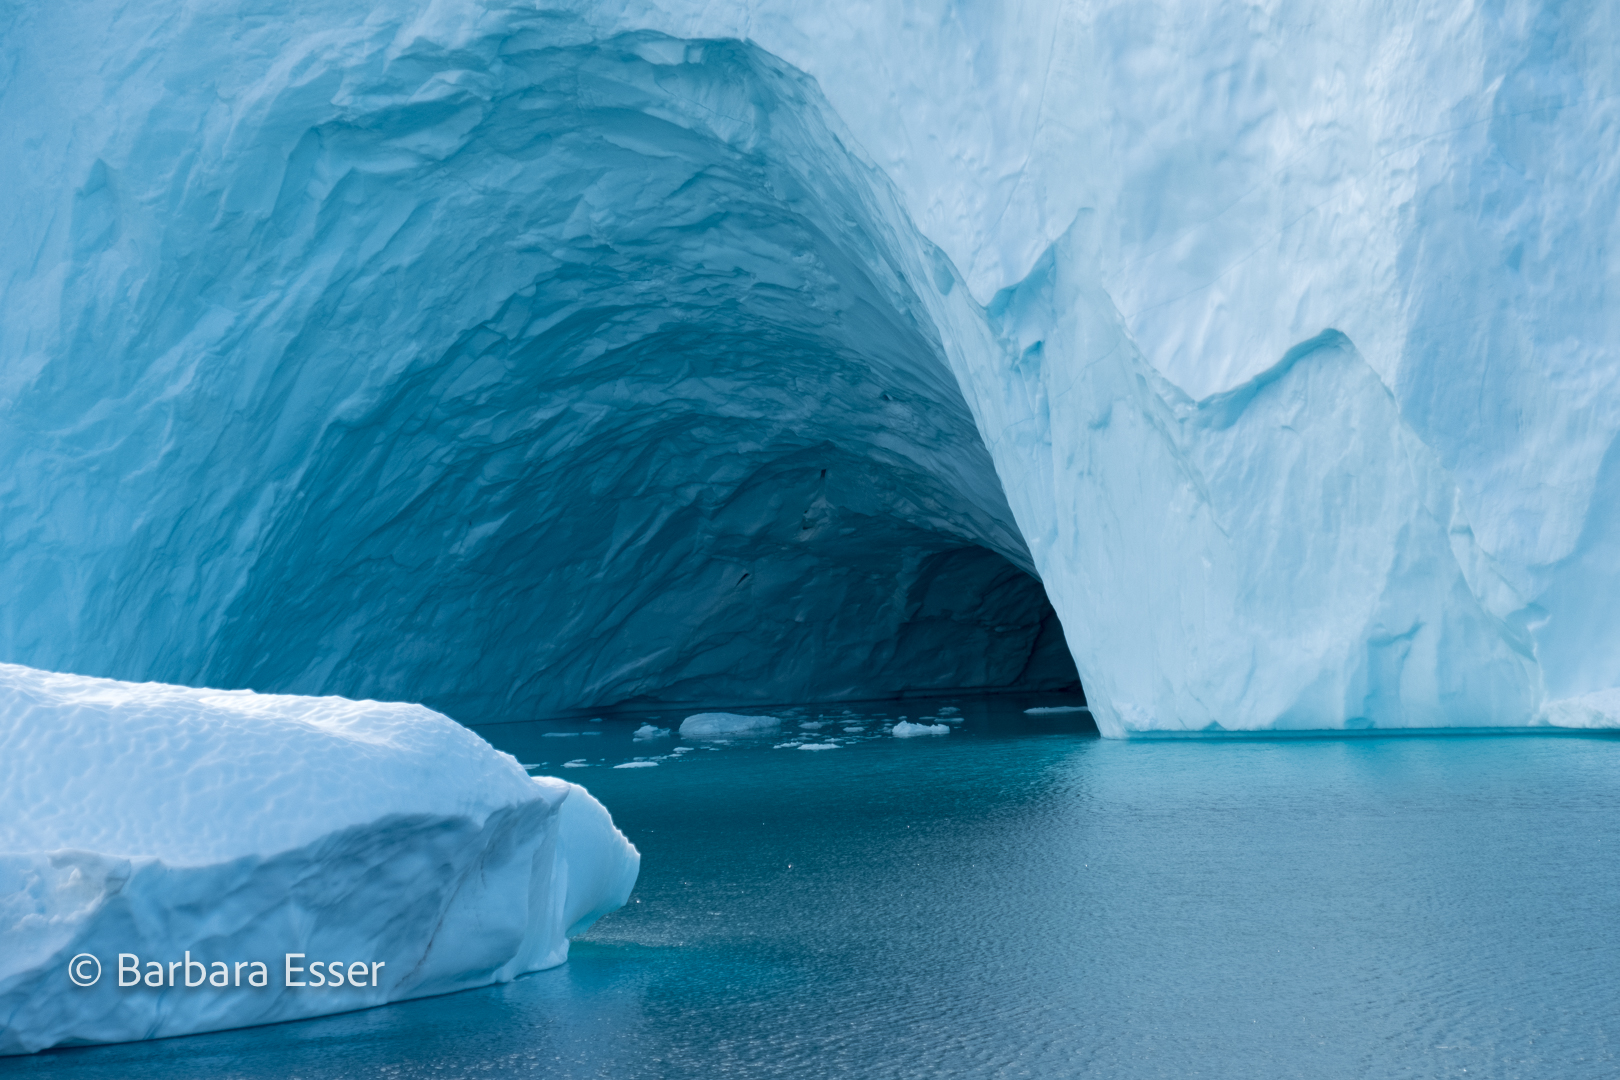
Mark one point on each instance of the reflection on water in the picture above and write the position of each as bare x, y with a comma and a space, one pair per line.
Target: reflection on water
1020, 898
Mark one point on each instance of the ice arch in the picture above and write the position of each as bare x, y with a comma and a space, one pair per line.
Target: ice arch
545, 378
420, 341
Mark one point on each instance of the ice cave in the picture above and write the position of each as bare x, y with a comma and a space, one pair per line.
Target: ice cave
648, 407
559, 358
528, 359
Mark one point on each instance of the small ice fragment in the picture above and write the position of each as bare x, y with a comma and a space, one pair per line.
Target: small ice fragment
562, 734
576, 764
784, 745
860, 727
594, 720
812, 725
1048, 710
904, 730
949, 710
647, 731
818, 746
703, 725
683, 750
637, 765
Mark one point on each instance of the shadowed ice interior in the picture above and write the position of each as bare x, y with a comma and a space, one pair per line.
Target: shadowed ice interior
606, 386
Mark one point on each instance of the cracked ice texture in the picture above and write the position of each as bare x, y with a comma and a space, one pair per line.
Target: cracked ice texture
159, 819
1279, 342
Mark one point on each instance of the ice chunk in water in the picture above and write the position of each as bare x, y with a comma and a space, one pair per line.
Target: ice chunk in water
904, 730
705, 725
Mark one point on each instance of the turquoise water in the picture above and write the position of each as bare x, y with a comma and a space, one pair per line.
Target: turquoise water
1021, 898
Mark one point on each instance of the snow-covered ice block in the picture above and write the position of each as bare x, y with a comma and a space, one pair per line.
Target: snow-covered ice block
906, 730
702, 725
158, 821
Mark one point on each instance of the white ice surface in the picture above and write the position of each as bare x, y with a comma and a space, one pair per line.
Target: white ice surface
156, 819
907, 730
1596, 710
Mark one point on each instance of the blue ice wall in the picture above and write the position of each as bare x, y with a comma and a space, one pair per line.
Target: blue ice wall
532, 379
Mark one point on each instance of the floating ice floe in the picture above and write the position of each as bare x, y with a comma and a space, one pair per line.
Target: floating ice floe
904, 730
160, 821
818, 746
637, 765
648, 731
704, 725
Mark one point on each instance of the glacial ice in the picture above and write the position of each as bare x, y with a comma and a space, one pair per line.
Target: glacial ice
513, 357
159, 820
706, 725
907, 730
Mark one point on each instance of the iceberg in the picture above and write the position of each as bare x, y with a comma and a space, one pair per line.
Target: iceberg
712, 724
149, 825
905, 729
519, 358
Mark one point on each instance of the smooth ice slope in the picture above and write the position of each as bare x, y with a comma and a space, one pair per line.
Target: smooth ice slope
154, 820
511, 357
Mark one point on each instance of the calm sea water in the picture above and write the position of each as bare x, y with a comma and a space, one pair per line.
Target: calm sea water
1020, 898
